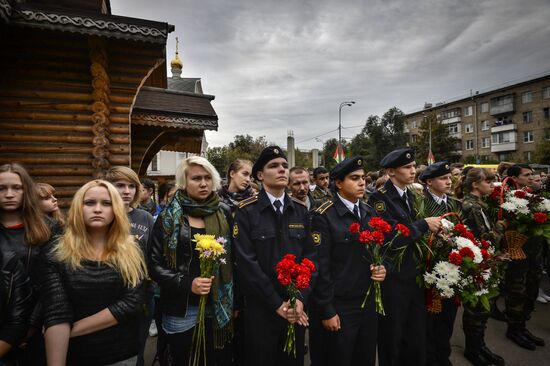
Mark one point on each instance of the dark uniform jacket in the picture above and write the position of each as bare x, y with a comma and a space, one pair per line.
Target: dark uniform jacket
389, 205
344, 269
260, 243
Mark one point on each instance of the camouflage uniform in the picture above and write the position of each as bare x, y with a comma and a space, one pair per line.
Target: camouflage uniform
474, 321
321, 195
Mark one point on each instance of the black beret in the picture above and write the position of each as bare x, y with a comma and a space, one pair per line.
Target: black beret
435, 170
267, 154
398, 158
345, 167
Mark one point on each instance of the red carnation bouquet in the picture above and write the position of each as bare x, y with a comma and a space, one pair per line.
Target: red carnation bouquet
376, 246
295, 277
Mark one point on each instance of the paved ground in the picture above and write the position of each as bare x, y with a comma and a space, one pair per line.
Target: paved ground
495, 339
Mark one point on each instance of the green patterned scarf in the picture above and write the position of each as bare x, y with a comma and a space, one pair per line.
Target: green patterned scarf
215, 224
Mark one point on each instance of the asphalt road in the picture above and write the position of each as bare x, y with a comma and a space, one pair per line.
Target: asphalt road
495, 338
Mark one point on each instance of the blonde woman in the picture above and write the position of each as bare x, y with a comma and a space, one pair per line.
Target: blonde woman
175, 266
48, 202
92, 289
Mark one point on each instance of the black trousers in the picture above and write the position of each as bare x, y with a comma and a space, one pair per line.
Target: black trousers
179, 348
265, 336
354, 344
402, 331
439, 329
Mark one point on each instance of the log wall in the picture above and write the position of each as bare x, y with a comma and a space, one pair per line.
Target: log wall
65, 102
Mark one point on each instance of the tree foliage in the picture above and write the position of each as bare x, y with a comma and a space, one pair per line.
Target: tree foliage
242, 147
542, 152
443, 145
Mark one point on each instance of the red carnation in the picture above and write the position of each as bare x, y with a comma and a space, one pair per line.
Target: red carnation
378, 237
302, 281
496, 193
485, 254
403, 230
289, 257
485, 244
466, 252
354, 228
379, 224
308, 264
365, 237
455, 258
520, 194
540, 217
284, 279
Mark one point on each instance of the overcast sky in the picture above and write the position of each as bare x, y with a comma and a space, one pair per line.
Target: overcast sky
286, 65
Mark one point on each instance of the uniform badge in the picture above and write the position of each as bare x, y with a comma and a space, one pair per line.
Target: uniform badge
380, 207
447, 166
276, 151
316, 238
359, 162
235, 231
408, 155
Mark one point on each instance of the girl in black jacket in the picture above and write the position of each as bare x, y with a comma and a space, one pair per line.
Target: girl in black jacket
92, 289
15, 305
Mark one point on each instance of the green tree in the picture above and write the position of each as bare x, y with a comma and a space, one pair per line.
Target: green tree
542, 152
442, 143
302, 159
329, 147
242, 147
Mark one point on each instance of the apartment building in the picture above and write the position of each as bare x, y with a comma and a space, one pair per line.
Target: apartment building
499, 124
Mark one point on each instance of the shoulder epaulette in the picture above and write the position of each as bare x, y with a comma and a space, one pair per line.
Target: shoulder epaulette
298, 201
382, 190
325, 206
248, 201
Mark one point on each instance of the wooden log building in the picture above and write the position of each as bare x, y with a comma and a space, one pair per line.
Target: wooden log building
82, 90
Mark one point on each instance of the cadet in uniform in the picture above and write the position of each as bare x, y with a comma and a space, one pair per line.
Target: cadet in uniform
437, 202
343, 333
321, 180
267, 227
476, 184
402, 332
523, 277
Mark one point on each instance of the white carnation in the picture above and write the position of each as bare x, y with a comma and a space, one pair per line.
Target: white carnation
462, 242
447, 225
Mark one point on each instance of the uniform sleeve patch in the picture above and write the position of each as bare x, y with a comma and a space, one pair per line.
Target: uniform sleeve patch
316, 236
235, 230
380, 206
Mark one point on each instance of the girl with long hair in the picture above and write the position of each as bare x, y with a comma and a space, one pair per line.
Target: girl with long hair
175, 266
48, 202
92, 289
473, 187
23, 232
238, 183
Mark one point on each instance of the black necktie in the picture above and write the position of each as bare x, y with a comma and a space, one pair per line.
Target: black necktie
356, 212
278, 206
406, 201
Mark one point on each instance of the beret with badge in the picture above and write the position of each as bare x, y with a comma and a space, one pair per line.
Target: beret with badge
397, 158
345, 167
267, 154
435, 170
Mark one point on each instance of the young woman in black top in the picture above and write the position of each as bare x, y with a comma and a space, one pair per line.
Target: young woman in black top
48, 202
238, 184
23, 232
92, 289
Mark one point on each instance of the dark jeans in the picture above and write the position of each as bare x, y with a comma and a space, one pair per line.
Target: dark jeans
179, 348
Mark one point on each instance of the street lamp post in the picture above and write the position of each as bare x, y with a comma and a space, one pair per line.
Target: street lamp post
349, 104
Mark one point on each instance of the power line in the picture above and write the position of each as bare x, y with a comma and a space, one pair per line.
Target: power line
314, 137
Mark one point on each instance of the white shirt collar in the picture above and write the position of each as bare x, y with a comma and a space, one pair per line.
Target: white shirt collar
272, 199
438, 199
350, 205
400, 191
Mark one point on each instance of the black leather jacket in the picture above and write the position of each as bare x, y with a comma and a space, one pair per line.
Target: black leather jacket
175, 285
15, 300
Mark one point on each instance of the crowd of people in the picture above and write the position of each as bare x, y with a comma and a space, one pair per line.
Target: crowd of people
87, 287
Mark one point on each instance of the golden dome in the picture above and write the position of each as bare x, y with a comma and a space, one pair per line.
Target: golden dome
176, 62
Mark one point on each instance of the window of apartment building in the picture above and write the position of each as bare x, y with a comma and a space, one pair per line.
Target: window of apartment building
469, 144
469, 128
413, 138
527, 97
451, 113
413, 124
504, 137
485, 125
454, 128
527, 155
468, 111
528, 117
546, 112
546, 92
484, 107
485, 142
547, 133
503, 101
528, 136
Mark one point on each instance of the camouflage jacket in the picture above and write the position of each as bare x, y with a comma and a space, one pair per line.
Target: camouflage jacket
476, 216
321, 195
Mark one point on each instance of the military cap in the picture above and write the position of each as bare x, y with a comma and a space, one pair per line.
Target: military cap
267, 154
398, 158
435, 170
345, 167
